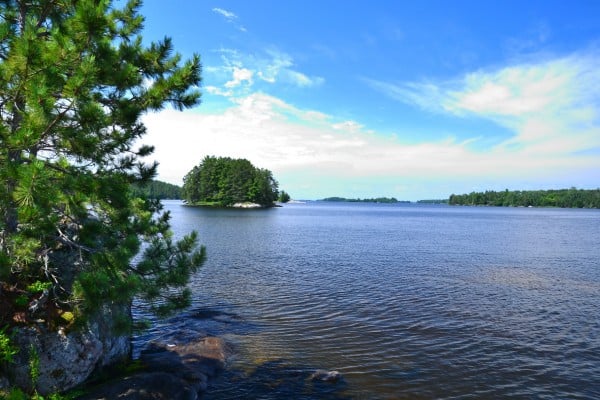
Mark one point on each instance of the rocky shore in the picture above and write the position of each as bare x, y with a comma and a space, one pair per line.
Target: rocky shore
168, 370
178, 363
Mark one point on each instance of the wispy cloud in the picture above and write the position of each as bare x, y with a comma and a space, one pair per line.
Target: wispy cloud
239, 72
229, 17
551, 106
227, 14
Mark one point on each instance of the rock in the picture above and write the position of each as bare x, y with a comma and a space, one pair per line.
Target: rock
4, 383
145, 386
67, 359
186, 366
195, 361
247, 205
326, 376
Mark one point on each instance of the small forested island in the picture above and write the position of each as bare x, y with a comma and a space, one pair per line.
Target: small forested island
565, 198
156, 190
226, 182
373, 200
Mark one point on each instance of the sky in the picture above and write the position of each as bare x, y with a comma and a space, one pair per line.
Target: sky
406, 99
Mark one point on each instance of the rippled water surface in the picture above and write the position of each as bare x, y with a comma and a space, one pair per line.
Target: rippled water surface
406, 301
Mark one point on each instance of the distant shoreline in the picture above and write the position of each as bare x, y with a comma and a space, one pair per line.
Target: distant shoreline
562, 198
372, 200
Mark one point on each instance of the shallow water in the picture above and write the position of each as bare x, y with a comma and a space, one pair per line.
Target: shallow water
406, 301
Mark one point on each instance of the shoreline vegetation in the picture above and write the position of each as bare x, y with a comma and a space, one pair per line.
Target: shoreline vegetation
559, 198
562, 198
157, 190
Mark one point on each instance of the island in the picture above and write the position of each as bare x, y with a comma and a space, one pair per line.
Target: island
229, 182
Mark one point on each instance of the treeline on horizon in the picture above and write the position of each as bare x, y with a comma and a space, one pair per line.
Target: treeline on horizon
157, 190
564, 198
373, 200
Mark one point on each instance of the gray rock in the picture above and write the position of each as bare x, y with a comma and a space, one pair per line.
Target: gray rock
4, 383
67, 359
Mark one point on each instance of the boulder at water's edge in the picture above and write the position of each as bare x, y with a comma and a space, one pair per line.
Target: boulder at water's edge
67, 359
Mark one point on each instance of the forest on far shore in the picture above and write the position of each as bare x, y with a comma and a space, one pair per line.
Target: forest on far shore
157, 190
564, 198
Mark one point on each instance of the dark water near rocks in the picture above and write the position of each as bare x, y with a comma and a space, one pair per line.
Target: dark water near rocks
406, 301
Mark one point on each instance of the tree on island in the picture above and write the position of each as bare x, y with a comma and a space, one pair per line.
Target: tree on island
284, 197
75, 79
224, 181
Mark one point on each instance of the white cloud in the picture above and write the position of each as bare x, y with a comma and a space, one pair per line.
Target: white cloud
218, 91
299, 79
229, 17
227, 14
518, 91
272, 67
240, 75
308, 150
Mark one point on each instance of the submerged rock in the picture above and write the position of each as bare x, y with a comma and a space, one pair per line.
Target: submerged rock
145, 386
326, 376
183, 366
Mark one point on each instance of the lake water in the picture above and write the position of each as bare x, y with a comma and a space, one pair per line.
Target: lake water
406, 301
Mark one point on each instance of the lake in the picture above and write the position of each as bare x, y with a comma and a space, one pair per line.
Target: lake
406, 301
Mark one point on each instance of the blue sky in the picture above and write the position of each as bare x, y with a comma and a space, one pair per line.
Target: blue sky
411, 99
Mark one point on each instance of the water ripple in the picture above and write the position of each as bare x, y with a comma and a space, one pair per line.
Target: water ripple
407, 302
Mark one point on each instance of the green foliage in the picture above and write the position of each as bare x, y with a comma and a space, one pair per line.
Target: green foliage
75, 79
38, 286
34, 365
14, 394
284, 197
566, 198
157, 190
18, 394
7, 349
226, 181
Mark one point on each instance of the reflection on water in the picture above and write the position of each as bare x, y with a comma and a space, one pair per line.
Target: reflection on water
405, 301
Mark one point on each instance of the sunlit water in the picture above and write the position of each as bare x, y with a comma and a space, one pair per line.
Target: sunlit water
406, 301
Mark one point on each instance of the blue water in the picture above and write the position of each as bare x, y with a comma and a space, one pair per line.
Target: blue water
406, 301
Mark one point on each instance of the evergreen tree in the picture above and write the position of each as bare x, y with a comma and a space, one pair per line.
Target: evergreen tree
75, 79
284, 197
157, 190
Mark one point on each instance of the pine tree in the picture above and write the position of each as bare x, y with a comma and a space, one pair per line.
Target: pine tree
75, 78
